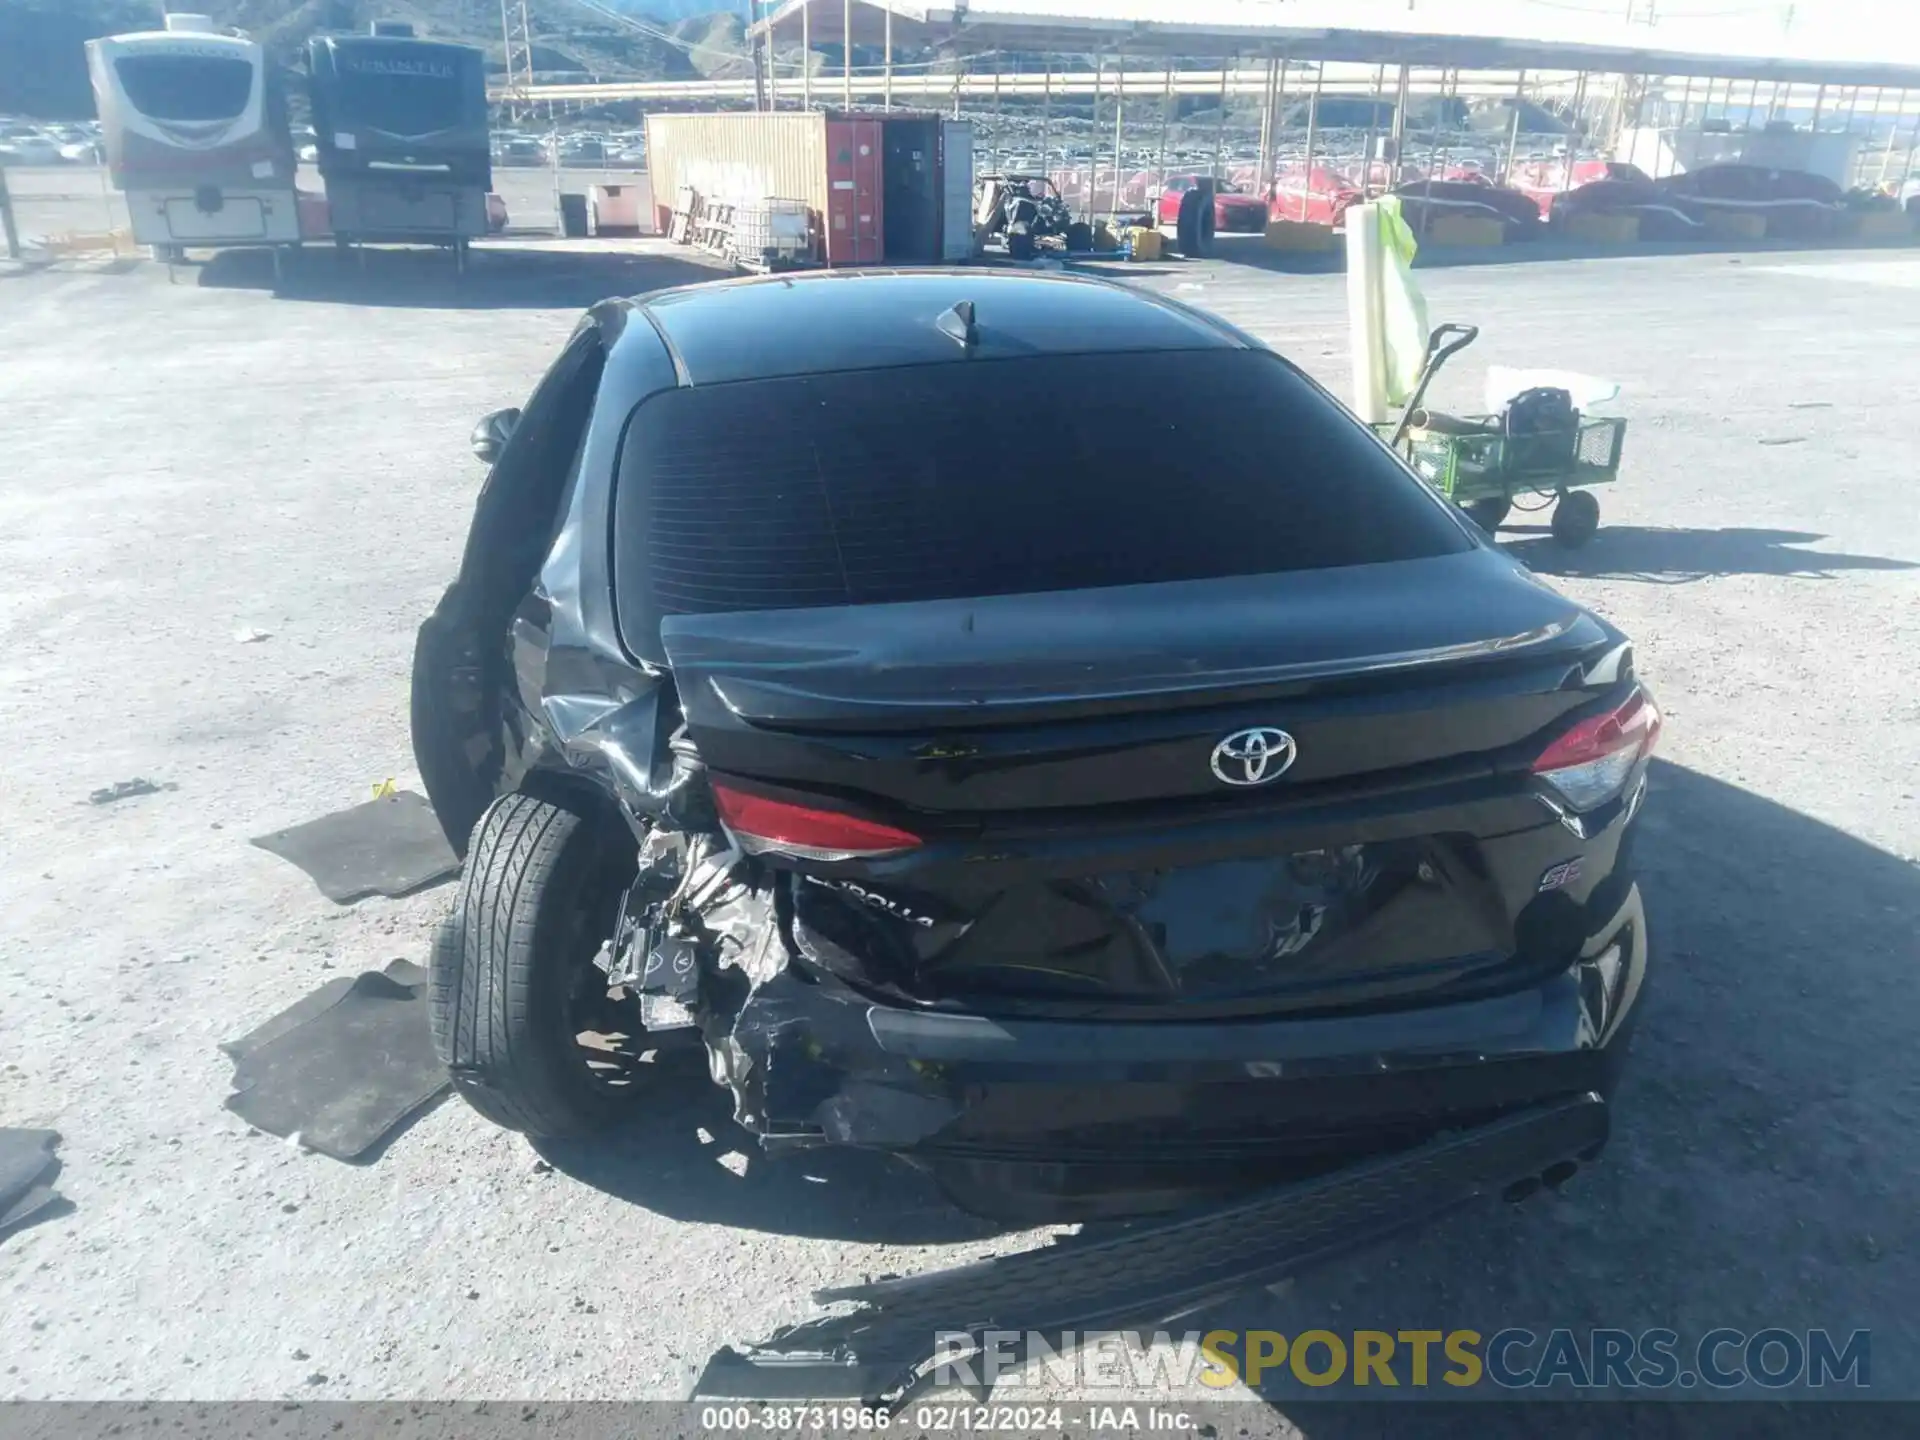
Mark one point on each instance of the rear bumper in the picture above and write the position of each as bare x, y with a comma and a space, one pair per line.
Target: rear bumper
1045, 1120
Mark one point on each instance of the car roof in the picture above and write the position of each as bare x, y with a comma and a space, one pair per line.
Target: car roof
828, 321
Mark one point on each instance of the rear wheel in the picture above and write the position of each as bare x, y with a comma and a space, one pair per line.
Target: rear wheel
518, 1008
1079, 236
1489, 514
1575, 518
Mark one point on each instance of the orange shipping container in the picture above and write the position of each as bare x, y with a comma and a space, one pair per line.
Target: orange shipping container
894, 187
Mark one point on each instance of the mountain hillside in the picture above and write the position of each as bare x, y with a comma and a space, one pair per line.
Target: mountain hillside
717, 45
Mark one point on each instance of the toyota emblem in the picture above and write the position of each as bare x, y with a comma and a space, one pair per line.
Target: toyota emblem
1253, 757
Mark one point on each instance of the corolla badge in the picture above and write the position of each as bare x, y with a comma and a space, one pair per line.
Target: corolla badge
1253, 757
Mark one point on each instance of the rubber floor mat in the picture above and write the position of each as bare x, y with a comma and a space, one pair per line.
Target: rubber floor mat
344, 1067
27, 1170
389, 846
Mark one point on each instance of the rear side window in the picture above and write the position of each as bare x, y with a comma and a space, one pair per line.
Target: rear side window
1001, 477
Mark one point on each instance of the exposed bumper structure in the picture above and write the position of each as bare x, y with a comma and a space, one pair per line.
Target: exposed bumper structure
1044, 1120
882, 1350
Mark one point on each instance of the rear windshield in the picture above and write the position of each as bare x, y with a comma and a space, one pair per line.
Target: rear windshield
1002, 477
186, 87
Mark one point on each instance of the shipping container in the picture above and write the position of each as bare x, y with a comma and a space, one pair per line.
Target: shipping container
894, 187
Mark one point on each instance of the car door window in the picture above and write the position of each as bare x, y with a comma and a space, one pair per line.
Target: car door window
519, 504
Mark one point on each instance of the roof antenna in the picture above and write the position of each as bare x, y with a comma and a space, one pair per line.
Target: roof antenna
958, 323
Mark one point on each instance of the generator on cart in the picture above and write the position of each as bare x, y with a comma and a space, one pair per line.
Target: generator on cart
1537, 445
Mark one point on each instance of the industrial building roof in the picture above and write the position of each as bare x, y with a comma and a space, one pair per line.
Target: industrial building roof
1767, 45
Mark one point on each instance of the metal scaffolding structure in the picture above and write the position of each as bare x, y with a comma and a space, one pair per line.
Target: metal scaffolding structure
516, 43
1112, 109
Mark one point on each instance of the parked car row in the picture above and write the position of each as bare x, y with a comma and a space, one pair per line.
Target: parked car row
1794, 203
30, 143
575, 149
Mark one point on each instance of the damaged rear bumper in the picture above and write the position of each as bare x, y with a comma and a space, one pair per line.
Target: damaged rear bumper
888, 1345
1042, 1120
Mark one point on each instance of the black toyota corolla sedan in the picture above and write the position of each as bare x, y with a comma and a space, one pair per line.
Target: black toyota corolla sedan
1022, 724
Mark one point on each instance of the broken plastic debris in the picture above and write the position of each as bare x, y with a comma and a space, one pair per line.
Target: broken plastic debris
248, 635
383, 789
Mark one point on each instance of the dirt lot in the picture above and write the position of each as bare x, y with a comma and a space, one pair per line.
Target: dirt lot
185, 462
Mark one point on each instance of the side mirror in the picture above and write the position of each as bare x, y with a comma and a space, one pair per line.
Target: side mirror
490, 436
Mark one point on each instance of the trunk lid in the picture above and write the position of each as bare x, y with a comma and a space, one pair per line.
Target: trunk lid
1108, 698
1079, 852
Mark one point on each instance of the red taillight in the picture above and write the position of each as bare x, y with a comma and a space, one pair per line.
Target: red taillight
1591, 761
761, 824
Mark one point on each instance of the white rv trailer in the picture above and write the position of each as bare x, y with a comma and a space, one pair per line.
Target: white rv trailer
195, 131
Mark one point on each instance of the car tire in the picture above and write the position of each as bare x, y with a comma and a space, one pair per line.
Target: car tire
1576, 518
1489, 514
1079, 236
541, 891
1187, 226
1019, 241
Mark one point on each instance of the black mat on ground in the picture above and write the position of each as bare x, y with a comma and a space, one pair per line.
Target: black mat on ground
342, 1068
389, 846
27, 1170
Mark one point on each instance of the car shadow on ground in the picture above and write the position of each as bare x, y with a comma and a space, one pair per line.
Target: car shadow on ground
687, 1160
1663, 555
1761, 1164
423, 279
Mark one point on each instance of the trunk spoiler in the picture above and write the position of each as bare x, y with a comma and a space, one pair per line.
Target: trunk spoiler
881, 1352
976, 662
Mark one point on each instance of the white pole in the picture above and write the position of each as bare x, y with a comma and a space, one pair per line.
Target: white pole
1313, 125
1367, 334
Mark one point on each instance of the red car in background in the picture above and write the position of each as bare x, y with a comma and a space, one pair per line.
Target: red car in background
1318, 196
1544, 181
1234, 212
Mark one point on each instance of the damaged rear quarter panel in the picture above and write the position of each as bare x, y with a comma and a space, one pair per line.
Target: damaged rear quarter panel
520, 674
551, 694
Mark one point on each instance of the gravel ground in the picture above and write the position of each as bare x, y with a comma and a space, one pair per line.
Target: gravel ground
184, 462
